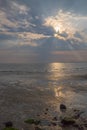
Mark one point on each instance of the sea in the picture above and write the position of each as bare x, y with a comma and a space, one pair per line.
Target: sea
26, 90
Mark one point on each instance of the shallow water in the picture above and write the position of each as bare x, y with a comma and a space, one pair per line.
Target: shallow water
27, 89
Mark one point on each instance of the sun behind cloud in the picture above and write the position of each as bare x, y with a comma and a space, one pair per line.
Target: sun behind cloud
57, 29
67, 23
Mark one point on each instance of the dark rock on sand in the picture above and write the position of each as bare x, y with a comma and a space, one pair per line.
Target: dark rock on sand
45, 113
37, 128
78, 114
8, 124
62, 107
37, 122
53, 123
55, 118
68, 121
78, 127
47, 109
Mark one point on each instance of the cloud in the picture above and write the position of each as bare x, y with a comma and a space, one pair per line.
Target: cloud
66, 24
27, 35
5, 22
10, 39
17, 22
14, 17
19, 8
29, 38
42, 30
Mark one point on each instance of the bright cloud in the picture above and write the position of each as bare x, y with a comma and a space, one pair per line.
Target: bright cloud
28, 38
69, 23
22, 38
33, 36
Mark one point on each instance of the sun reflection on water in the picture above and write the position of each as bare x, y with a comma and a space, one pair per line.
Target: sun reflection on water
62, 92
56, 66
57, 74
56, 70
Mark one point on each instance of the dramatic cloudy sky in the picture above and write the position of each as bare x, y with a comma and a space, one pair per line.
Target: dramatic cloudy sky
43, 31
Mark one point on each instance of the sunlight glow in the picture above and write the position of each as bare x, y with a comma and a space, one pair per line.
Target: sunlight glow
56, 70
66, 25
57, 29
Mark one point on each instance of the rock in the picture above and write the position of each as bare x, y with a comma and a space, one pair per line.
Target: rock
80, 128
45, 113
37, 128
62, 107
55, 118
38, 115
68, 121
37, 122
46, 109
78, 114
85, 124
53, 123
8, 124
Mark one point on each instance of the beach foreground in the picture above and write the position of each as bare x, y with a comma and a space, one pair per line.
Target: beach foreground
38, 94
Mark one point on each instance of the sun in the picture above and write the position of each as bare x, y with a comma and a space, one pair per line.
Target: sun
57, 29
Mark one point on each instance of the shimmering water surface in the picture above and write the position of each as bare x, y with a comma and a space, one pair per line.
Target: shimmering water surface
27, 89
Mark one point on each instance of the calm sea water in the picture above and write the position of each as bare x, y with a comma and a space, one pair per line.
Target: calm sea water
27, 88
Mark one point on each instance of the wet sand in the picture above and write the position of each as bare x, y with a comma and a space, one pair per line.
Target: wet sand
18, 104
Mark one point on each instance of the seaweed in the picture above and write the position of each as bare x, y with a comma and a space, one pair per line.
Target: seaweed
32, 121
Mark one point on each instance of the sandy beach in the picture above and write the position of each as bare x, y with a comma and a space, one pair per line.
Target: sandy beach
28, 96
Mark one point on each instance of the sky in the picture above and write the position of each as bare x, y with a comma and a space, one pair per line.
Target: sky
43, 31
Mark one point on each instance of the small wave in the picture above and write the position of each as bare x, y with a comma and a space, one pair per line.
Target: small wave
22, 72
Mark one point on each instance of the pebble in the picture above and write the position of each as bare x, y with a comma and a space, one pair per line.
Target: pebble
37, 128
62, 107
8, 124
55, 118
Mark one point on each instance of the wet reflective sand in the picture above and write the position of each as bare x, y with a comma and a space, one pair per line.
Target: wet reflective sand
25, 96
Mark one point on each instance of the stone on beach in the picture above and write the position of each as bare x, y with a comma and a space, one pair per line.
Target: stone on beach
68, 121
8, 124
37, 128
62, 107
